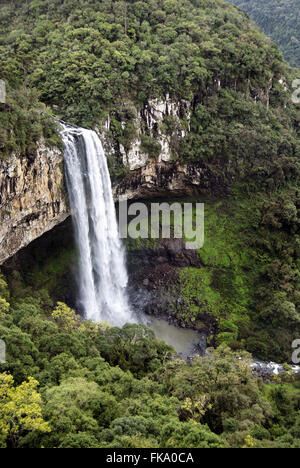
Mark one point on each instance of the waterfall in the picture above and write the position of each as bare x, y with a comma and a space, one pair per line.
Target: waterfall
102, 270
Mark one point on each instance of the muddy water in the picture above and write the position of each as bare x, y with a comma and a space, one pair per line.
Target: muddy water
186, 342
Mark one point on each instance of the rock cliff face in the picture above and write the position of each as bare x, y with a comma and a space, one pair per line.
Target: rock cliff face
32, 198
171, 179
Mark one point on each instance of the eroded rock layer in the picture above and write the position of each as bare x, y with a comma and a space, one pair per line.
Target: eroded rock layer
33, 198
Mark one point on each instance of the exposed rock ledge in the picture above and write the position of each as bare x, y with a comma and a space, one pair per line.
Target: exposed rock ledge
32, 198
171, 179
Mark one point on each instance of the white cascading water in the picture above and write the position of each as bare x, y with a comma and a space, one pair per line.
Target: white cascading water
102, 269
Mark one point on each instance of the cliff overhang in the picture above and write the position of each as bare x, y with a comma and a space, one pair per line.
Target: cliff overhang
33, 198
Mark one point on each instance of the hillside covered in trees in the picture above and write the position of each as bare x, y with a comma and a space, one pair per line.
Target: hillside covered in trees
73, 383
86, 60
279, 19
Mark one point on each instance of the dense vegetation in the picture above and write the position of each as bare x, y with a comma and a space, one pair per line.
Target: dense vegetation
69, 383
66, 383
89, 59
244, 289
23, 122
279, 19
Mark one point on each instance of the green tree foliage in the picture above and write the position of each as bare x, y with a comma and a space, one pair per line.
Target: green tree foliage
20, 410
87, 60
65, 317
183, 435
108, 387
101, 386
78, 406
23, 122
133, 348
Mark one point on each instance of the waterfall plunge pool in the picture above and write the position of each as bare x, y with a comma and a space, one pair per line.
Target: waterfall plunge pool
102, 270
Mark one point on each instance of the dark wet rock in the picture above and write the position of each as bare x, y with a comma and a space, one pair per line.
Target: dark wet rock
171, 251
162, 179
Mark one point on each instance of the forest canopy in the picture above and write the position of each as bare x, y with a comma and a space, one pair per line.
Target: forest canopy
84, 59
73, 383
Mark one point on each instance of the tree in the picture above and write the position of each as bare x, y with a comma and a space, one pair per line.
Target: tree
217, 387
191, 435
77, 406
65, 317
4, 308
